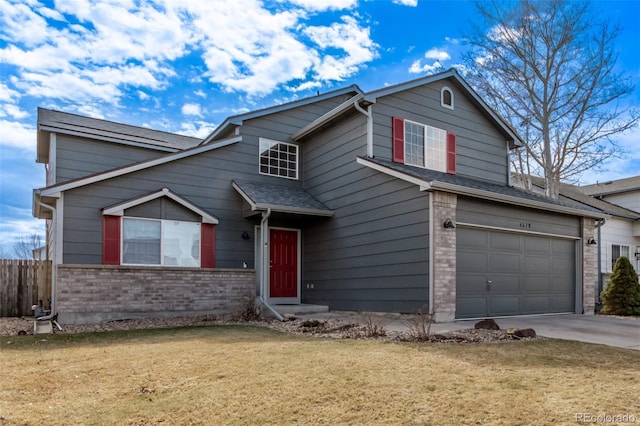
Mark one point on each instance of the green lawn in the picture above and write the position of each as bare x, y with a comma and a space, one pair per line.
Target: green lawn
250, 375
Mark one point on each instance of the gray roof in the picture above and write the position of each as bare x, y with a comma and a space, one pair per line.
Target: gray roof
50, 121
575, 193
612, 186
278, 198
502, 192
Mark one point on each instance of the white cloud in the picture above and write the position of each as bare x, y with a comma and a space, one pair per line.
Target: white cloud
198, 129
437, 54
11, 110
412, 3
200, 93
418, 68
321, 5
7, 94
17, 135
191, 109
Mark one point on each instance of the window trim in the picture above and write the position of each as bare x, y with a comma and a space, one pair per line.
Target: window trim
442, 102
620, 254
426, 147
273, 141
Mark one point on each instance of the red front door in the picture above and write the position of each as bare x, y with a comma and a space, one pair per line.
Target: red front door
283, 271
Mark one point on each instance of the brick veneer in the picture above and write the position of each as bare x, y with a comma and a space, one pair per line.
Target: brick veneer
94, 293
444, 256
589, 268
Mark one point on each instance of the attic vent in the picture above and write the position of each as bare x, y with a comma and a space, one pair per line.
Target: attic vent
446, 98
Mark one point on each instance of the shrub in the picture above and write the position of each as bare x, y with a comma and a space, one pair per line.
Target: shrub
250, 311
420, 324
622, 295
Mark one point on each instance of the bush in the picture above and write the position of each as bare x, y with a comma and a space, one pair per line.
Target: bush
622, 295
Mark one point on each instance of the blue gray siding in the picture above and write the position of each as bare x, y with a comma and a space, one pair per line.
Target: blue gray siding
481, 149
373, 254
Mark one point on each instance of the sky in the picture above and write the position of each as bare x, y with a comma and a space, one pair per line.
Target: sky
184, 66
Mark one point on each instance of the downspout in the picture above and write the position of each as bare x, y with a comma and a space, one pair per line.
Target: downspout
264, 284
367, 113
431, 256
600, 283
54, 265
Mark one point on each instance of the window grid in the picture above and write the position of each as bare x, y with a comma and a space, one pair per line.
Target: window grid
617, 251
278, 159
425, 146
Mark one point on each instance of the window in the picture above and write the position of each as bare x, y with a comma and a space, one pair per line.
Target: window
160, 242
278, 159
617, 251
446, 98
425, 146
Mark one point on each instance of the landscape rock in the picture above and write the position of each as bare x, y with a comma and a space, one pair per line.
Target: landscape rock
487, 324
525, 332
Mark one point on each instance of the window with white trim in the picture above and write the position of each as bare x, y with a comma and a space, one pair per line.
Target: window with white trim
617, 251
425, 146
160, 242
446, 98
278, 159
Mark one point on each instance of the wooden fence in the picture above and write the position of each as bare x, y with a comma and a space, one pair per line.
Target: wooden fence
23, 283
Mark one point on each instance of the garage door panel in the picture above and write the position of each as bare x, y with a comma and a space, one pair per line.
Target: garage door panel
534, 264
529, 274
503, 242
504, 305
501, 262
474, 306
537, 284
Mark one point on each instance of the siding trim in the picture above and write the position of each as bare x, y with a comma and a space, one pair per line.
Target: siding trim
56, 190
516, 231
318, 122
118, 210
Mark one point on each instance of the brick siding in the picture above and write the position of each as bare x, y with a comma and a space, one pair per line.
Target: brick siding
94, 293
444, 256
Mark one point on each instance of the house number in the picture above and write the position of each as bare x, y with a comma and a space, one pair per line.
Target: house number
524, 225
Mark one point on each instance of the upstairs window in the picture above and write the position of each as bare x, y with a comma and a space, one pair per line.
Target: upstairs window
446, 98
278, 159
417, 144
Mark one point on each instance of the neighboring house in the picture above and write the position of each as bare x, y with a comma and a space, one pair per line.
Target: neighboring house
618, 237
392, 200
40, 253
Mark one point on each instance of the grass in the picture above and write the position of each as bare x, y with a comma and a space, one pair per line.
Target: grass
251, 375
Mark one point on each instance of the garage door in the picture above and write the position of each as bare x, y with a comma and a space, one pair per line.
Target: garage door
501, 274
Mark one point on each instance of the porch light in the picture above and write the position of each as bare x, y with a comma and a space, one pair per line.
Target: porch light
245, 235
591, 241
448, 224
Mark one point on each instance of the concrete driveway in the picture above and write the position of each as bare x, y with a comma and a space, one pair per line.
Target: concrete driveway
604, 330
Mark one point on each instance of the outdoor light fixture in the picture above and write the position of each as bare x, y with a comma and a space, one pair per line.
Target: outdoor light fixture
591, 241
245, 235
448, 224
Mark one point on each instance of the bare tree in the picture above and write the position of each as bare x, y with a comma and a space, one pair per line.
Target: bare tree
25, 244
4, 253
549, 68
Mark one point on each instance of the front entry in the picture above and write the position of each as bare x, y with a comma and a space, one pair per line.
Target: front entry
283, 265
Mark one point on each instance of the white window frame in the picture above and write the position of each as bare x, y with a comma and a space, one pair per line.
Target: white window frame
442, 103
162, 242
272, 143
430, 150
621, 249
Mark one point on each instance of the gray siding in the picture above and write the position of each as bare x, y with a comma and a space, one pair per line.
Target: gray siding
373, 254
479, 212
481, 149
78, 157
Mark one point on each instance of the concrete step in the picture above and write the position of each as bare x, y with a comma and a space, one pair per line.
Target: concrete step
302, 309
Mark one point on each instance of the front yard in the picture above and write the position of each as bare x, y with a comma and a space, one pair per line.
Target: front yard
253, 375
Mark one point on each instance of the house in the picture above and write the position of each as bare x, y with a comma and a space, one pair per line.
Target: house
620, 235
394, 200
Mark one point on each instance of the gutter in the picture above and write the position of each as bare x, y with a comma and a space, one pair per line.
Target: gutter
264, 282
54, 267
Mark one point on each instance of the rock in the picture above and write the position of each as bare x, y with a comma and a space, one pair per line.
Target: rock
312, 324
512, 330
525, 332
488, 324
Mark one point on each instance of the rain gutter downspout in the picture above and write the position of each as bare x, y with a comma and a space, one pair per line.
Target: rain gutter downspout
264, 282
600, 283
367, 113
54, 266
431, 257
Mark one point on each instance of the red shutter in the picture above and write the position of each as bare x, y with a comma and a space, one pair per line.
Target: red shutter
207, 245
398, 140
451, 153
111, 240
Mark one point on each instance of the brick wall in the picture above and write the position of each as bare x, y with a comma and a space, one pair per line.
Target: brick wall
94, 293
444, 256
589, 268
